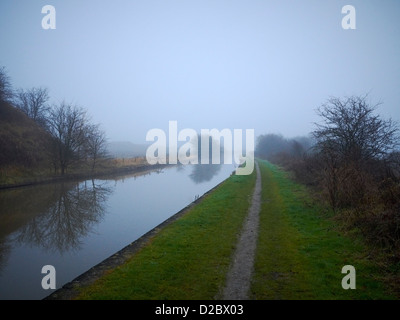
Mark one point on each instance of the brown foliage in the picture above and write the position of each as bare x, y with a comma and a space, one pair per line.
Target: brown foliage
22, 141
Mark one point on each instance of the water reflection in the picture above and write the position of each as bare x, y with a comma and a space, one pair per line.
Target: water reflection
59, 215
76, 225
5, 249
204, 172
127, 176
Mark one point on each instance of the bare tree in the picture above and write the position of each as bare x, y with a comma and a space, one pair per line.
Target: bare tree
33, 103
296, 148
350, 141
95, 144
271, 144
353, 132
67, 124
6, 92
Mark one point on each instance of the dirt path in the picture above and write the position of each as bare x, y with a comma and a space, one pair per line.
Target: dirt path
239, 275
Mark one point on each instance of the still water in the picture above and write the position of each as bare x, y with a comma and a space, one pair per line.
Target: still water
75, 225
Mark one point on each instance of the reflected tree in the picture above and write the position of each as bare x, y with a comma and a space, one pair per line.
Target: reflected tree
5, 249
62, 226
204, 172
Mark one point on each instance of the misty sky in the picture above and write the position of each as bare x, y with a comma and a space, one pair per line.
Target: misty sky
263, 65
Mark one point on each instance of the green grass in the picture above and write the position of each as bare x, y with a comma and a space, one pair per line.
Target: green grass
299, 253
188, 259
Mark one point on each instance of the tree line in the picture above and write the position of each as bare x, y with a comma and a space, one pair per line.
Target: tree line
352, 161
74, 138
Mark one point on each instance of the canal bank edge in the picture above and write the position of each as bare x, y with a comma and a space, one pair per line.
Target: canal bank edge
71, 289
85, 176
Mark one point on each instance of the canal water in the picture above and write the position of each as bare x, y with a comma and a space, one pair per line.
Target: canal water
75, 225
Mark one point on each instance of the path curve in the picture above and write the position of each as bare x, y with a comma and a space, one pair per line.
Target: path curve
239, 276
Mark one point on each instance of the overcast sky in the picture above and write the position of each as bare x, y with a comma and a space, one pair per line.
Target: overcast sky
263, 65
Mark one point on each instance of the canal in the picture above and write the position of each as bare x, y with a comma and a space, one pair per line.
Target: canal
75, 225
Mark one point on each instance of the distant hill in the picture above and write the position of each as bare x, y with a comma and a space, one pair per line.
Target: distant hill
126, 149
22, 142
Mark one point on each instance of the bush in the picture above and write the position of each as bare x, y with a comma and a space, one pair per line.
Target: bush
383, 229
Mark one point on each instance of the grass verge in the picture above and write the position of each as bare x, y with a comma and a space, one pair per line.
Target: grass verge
188, 259
11, 177
301, 253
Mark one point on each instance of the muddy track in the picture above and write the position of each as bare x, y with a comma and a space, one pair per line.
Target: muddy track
241, 269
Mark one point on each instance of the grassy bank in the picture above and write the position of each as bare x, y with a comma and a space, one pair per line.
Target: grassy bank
299, 254
300, 251
188, 259
19, 176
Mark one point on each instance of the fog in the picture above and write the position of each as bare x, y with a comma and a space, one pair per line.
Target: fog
262, 65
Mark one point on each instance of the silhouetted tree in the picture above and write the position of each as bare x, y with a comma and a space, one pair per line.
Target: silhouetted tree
353, 132
95, 144
33, 102
271, 144
68, 126
296, 148
6, 92
349, 142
